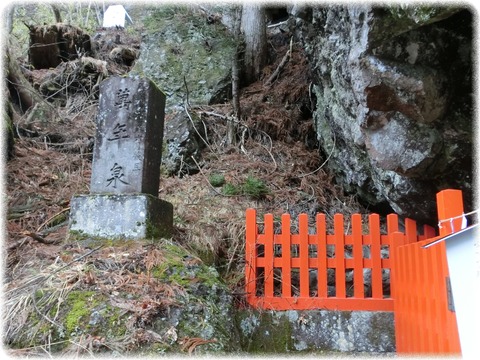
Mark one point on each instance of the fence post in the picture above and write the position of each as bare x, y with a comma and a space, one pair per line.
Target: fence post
449, 205
250, 254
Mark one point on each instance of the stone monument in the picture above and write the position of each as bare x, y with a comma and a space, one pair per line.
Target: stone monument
123, 200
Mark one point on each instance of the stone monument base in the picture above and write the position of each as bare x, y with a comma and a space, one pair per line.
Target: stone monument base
125, 216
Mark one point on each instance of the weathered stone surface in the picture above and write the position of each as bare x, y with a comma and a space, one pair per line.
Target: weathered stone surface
126, 166
187, 59
314, 330
132, 216
394, 106
183, 139
128, 144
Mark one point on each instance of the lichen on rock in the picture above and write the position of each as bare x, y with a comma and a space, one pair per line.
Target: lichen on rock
393, 98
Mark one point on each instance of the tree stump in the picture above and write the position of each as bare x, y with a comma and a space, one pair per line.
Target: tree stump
52, 44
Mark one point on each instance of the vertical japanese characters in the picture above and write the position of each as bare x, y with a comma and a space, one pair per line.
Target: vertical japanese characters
127, 154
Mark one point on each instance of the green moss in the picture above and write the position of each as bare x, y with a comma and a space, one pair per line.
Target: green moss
216, 180
155, 232
114, 322
205, 50
78, 311
81, 304
261, 332
178, 269
252, 187
418, 14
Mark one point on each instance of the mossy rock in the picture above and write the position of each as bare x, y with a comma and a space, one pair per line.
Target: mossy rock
139, 298
186, 56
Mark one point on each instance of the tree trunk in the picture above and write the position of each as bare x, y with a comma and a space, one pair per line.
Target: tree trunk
255, 31
21, 90
56, 12
231, 127
8, 124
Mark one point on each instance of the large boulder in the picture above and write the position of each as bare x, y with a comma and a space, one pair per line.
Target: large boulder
394, 111
186, 54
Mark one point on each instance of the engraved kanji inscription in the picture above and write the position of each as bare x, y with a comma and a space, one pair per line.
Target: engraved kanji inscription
119, 131
116, 174
122, 98
130, 122
137, 167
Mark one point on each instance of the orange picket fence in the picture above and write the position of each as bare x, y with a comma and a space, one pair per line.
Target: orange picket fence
305, 271
336, 271
425, 320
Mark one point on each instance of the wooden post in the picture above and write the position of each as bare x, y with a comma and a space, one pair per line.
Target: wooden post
449, 206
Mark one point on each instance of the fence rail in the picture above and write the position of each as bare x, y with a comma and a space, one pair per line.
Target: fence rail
323, 271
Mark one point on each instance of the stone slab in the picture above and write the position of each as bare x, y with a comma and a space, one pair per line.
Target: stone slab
118, 216
353, 332
128, 143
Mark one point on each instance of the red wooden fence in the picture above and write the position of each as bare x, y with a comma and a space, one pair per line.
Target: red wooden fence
423, 321
280, 267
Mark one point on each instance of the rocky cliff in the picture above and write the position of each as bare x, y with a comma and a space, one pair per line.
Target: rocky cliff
394, 110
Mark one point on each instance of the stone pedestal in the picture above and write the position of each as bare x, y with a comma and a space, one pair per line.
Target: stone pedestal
116, 216
124, 203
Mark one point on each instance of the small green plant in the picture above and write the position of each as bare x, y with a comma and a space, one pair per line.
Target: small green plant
230, 190
216, 180
255, 188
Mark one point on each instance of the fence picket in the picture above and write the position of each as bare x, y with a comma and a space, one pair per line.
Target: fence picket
268, 249
250, 261
321, 256
392, 224
429, 308
411, 231
375, 236
304, 254
357, 240
286, 257
340, 291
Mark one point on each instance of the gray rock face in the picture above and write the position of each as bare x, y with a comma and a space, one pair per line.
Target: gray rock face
183, 139
394, 105
313, 330
186, 58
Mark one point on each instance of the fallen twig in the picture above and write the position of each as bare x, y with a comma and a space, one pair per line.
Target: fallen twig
323, 164
39, 238
281, 65
51, 218
201, 172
